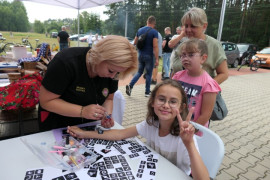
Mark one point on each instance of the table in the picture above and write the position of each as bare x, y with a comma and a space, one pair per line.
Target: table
16, 158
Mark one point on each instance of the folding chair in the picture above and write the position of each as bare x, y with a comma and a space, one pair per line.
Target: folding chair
118, 107
211, 149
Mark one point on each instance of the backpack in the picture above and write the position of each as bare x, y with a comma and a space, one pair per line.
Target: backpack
141, 39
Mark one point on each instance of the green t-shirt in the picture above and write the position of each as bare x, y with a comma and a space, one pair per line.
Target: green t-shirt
216, 56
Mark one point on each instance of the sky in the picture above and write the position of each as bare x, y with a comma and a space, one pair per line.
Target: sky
35, 12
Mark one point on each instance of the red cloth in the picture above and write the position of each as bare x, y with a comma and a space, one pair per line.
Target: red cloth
23, 93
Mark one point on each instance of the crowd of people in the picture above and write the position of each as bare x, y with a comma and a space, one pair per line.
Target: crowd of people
80, 82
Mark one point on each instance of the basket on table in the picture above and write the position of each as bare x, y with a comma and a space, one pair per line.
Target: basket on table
14, 76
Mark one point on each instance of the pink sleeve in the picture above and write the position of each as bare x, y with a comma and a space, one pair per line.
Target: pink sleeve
212, 86
177, 75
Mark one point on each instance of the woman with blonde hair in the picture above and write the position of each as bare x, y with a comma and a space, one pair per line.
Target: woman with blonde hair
195, 24
80, 82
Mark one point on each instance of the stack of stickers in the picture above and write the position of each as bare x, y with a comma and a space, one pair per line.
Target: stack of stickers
111, 163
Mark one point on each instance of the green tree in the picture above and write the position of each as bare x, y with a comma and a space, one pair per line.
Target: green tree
39, 27
13, 16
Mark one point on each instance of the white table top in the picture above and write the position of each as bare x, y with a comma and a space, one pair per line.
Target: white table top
16, 158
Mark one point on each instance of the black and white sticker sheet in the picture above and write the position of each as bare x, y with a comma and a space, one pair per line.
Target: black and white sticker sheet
111, 164
147, 167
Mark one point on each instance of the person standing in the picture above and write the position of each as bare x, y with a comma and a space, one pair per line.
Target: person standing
195, 24
95, 39
177, 39
167, 51
155, 70
89, 40
201, 89
146, 55
63, 39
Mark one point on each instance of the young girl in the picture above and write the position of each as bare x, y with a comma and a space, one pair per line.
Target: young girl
200, 88
162, 128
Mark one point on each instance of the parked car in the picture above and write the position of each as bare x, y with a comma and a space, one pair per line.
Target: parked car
53, 34
247, 51
264, 56
75, 37
84, 38
232, 53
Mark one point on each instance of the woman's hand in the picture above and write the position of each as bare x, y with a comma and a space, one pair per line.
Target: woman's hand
93, 111
76, 131
186, 128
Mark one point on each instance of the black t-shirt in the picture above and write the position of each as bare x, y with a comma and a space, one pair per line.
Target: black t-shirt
166, 48
67, 76
63, 35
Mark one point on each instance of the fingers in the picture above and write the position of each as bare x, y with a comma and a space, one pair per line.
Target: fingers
70, 131
107, 123
94, 111
190, 114
180, 120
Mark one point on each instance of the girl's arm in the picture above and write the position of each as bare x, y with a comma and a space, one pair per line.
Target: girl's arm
198, 169
108, 105
112, 135
208, 102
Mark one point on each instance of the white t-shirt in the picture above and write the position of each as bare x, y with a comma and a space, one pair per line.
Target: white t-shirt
171, 147
89, 40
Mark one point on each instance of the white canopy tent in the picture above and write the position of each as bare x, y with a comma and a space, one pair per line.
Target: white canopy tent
75, 4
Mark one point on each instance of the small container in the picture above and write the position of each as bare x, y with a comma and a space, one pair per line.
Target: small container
14, 77
29, 65
71, 158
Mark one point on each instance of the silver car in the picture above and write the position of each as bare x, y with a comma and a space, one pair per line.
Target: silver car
232, 53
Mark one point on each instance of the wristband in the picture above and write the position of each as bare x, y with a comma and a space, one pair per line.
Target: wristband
81, 112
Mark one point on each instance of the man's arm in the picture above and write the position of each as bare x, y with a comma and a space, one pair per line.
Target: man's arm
135, 41
58, 39
163, 43
155, 49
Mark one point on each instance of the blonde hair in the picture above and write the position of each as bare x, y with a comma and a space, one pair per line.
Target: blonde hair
117, 51
196, 15
193, 45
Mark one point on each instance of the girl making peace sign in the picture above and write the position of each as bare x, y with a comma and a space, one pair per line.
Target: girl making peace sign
164, 129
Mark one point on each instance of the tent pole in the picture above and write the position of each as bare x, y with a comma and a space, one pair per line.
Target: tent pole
126, 22
221, 20
78, 23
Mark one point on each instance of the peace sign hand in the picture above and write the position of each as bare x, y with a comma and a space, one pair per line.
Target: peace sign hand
186, 128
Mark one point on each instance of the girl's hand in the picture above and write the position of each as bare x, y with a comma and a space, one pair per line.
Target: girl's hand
93, 111
76, 131
186, 128
107, 122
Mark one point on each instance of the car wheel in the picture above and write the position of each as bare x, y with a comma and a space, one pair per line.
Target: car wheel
235, 64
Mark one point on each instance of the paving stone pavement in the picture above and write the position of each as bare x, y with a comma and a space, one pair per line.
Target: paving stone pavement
245, 131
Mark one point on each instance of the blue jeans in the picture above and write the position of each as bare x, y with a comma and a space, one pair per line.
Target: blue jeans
145, 61
63, 46
166, 63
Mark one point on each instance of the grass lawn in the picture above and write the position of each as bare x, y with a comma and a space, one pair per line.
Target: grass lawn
18, 36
